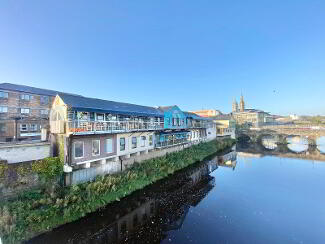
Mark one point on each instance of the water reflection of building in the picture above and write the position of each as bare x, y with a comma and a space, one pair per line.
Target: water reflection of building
143, 218
228, 160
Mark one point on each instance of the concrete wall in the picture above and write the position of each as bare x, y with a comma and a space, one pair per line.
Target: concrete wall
211, 133
110, 166
16, 153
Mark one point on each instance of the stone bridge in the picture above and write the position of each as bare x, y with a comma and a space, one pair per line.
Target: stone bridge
280, 133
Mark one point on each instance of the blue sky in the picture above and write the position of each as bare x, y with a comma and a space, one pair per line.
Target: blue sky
196, 54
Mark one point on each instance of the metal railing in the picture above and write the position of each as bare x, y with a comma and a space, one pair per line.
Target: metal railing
172, 143
80, 127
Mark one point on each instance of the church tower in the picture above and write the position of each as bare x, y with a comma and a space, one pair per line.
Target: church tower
242, 104
234, 106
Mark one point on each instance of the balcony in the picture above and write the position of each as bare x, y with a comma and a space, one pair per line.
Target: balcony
96, 127
170, 143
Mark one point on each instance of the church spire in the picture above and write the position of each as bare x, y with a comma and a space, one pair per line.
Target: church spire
242, 103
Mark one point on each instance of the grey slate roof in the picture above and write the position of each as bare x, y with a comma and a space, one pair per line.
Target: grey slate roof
28, 89
98, 105
195, 116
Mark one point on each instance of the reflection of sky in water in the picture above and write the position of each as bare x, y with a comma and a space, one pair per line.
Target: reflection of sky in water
269, 143
321, 144
297, 143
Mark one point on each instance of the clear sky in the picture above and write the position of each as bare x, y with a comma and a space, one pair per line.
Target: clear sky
196, 54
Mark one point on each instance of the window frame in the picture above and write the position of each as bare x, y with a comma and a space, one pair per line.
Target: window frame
46, 110
123, 144
3, 96
143, 141
74, 149
150, 140
2, 108
33, 129
112, 149
47, 99
21, 110
136, 142
21, 128
92, 147
24, 96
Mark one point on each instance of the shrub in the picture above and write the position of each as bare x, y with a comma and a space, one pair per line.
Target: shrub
49, 168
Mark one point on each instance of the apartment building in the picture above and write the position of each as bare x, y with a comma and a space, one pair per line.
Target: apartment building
24, 112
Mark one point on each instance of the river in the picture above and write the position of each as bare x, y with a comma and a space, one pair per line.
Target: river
237, 197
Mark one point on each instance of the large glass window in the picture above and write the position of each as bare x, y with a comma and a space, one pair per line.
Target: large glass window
78, 149
143, 141
3, 94
109, 145
96, 147
44, 100
122, 144
150, 140
134, 142
3, 109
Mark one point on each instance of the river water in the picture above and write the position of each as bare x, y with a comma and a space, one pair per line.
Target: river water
236, 197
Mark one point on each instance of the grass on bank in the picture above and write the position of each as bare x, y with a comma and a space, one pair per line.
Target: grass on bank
41, 210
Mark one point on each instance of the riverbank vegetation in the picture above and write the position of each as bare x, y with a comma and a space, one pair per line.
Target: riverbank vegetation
37, 211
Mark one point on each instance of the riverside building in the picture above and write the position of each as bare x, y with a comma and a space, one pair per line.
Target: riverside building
102, 136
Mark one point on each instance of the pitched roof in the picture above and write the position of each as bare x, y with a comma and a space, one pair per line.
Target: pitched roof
105, 106
166, 108
195, 116
28, 89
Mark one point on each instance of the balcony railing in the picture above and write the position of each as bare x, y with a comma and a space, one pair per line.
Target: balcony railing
84, 127
172, 143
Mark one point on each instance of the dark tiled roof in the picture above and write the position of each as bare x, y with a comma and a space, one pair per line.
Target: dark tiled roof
166, 108
27, 89
99, 105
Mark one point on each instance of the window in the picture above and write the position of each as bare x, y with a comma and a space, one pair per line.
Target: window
24, 110
150, 140
100, 117
26, 97
44, 112
79, 149
3, 128
3, 94
109, 145
23, 127
3, 109
122, 144
134, 142
96, 147
178, 122
143, 141
33, 127
44, 100
174, 121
